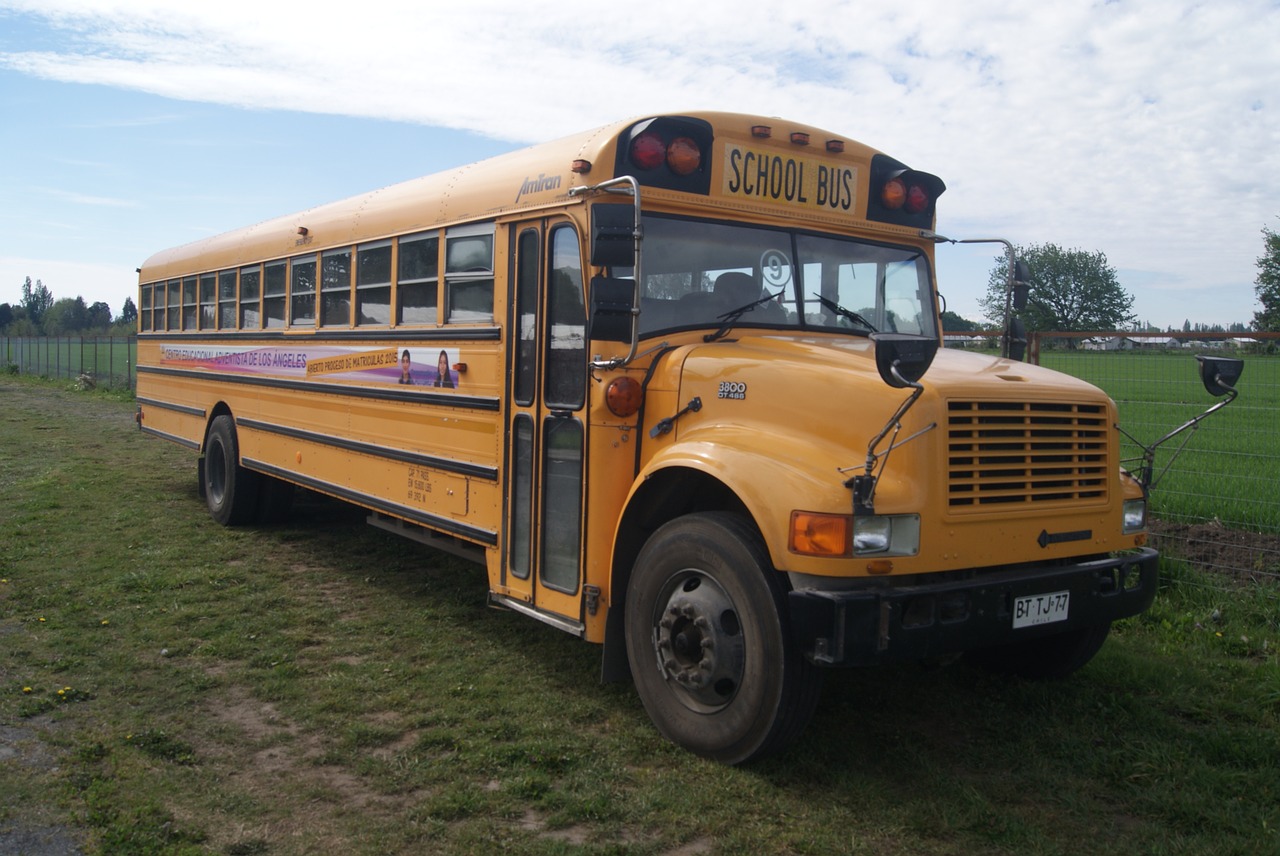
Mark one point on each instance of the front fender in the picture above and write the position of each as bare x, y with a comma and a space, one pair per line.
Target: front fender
769, 485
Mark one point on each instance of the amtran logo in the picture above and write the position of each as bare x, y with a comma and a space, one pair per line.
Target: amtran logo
538, 185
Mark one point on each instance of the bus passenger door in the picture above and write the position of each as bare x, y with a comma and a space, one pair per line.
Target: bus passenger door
542, 566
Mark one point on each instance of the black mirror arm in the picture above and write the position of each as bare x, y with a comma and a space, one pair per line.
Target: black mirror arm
864, 486
1147, 476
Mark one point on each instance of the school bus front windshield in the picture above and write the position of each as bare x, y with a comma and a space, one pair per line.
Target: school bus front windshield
700, 273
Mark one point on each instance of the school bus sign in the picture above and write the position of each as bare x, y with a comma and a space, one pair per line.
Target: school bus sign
790, 179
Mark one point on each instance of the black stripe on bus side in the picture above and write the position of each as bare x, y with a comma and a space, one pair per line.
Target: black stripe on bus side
468, 402
464, 334
459, 467
181, 441
444, 524
177, 408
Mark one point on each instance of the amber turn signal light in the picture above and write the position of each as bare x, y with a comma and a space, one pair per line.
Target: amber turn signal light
623, 396
814, 534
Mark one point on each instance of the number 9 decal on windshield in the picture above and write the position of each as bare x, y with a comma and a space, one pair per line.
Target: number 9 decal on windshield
775, 268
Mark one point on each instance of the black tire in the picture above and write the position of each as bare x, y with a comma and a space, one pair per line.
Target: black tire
1046, 658
709, 644
230, 491
275, 500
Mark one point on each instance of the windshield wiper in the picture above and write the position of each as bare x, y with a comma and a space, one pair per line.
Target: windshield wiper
728, 319
846, 313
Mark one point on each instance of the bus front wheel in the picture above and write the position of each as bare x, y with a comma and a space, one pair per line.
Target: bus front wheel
230, 490
708, 643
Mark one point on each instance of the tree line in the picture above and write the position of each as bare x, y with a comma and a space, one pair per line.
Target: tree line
39, 314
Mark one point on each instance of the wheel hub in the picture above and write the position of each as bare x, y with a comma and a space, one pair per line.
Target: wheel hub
699, 642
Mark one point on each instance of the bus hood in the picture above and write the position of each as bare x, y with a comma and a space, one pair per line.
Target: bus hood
824, 397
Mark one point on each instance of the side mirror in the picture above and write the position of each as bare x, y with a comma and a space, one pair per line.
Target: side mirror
611, 308
1016, 340
1219, 374
902, 359
1021, 284
613, 234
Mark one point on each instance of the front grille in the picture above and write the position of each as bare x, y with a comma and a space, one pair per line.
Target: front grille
1031, 454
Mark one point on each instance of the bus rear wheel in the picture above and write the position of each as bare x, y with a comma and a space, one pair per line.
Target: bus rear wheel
708, 641
230, 490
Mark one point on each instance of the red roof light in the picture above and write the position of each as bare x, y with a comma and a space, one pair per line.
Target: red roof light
648, 150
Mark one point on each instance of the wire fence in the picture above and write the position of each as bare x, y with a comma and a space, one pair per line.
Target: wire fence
105, 361
1216, 496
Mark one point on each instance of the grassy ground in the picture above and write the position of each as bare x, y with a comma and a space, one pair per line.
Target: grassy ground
171, 686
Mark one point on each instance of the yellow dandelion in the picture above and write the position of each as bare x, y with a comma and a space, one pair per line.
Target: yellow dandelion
62, 692
26, 689
105, 622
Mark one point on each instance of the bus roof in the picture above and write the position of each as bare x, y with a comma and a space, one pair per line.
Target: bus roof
529, 178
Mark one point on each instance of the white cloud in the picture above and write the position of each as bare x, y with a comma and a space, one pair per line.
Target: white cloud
1144, 128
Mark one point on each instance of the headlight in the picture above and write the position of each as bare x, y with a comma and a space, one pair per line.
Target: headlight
889, 535
1135, 515
871, 535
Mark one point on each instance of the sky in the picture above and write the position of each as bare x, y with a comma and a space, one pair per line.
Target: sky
1148, 130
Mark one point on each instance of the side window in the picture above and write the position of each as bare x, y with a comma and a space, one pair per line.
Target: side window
174, 313
566, 352
373, 284
144, 308
250, 297
274, 282
417, 279
469, 274
302, 291
209, 301
335, 288
188, 303
227, 300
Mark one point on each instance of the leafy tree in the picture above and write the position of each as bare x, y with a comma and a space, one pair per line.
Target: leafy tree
6, 315
36, 300
99, 317
954, 323
1070, 290
68, 315
1267, 285
128, 312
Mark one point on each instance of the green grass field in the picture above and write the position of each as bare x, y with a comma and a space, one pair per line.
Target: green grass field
169, 686
1230, 469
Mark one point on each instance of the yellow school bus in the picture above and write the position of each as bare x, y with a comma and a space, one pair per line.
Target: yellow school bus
675, 382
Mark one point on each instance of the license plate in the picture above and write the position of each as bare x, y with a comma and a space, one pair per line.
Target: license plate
1041, 609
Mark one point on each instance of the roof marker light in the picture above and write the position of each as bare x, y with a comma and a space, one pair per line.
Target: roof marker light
800, 138
764, 132
835, 146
